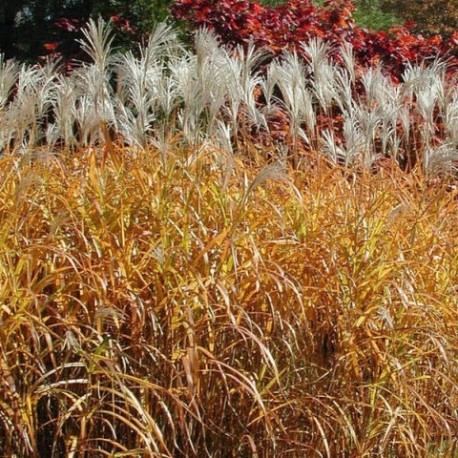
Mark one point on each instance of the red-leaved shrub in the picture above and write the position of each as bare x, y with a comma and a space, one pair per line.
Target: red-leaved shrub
286, 26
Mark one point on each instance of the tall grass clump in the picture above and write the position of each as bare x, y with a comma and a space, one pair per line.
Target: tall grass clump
214, 252
317, 99
205, 306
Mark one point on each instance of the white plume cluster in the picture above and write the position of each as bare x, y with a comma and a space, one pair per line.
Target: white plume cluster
166, 91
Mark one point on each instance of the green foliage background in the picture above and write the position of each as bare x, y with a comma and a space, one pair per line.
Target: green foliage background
25, 25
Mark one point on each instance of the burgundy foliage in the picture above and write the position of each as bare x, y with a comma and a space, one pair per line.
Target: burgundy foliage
285, 27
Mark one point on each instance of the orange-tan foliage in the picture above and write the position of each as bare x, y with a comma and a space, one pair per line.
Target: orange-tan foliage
201, 307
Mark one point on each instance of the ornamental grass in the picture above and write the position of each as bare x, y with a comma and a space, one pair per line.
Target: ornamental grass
210, 305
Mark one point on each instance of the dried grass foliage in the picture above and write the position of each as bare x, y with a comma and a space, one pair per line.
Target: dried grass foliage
203, 306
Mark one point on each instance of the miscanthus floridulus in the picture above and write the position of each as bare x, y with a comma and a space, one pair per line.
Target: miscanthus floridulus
167, 290
165, 92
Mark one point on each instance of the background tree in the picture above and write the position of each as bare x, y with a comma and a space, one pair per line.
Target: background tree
28, 28
8, 13
431, 17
